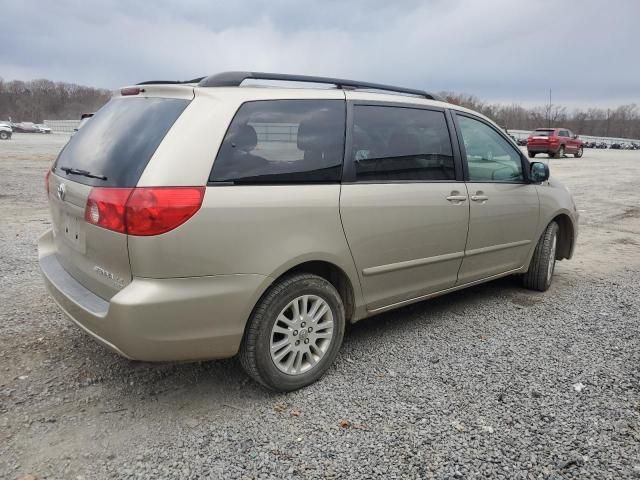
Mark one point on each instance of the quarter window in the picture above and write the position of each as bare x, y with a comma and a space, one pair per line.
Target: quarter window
394, 143
283, 141
490, 158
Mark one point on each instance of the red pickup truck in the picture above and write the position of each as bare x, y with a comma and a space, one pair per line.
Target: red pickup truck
556, 142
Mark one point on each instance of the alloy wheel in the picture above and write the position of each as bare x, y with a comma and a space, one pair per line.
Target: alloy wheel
301, 334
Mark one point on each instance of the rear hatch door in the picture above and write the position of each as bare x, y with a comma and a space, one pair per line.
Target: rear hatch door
112, 150
540, 137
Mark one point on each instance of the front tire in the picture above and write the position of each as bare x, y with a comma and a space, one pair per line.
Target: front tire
579, 152
4, 135
543, 262
294, 333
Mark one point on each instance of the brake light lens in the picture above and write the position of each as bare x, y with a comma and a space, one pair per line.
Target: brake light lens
142, 211
131, 91
152, 211
106, 208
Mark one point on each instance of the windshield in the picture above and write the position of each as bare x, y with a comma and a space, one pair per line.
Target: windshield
119, 140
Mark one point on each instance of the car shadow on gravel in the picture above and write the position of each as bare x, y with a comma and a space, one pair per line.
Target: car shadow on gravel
131, 384
446, 308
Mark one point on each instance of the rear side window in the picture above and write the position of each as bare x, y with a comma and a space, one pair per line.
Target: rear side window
283, 141
119, 140
394, 143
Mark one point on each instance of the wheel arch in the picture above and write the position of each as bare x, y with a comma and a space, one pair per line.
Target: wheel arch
334, 275
346, 283
566, 236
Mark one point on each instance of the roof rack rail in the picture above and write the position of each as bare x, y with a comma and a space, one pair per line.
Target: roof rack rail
234, 79
170, 82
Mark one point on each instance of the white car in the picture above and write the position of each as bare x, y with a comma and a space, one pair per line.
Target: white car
5, 131
41, 128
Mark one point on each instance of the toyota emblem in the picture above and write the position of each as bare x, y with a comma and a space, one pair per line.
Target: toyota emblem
62, 191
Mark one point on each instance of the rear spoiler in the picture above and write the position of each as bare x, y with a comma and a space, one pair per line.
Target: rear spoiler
171, 82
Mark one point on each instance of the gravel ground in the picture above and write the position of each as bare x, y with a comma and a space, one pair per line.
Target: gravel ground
491, 382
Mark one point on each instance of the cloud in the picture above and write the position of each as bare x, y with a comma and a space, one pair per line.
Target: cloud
500, 50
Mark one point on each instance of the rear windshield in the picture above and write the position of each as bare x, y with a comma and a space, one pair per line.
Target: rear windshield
119, 141
542, 133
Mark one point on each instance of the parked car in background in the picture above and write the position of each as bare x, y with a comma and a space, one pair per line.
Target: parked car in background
5, 131
161, 249
555, 142
42, 128
25, 127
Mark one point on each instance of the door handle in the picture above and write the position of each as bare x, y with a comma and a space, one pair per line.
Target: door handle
457, 198
479, 198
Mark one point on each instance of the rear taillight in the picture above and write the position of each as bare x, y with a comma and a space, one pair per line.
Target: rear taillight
46, 181
142, 211
106, 208
152, 211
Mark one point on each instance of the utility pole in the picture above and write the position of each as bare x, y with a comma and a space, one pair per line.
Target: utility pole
549, 111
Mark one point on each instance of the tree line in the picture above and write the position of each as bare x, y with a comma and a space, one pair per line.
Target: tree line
36, 100
622, 122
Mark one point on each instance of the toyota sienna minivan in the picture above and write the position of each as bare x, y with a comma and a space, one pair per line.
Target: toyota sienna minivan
228, 215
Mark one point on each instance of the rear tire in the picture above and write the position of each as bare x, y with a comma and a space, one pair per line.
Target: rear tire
284, 350
579, 152
543, 262
532, 154
560, 152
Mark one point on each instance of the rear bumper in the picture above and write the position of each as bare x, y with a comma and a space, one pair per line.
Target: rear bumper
542, 148
172, 319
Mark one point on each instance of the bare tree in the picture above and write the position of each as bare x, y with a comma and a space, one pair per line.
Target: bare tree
36, 100
623, 122
39, 99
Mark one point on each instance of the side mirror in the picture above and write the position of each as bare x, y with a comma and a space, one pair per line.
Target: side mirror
538, 172
575, 136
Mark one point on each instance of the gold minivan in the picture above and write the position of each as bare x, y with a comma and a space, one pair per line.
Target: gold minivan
234, 214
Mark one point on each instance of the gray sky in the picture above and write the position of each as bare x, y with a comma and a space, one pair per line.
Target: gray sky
587, 51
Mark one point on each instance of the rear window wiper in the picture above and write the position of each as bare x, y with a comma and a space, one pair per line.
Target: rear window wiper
84, 173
